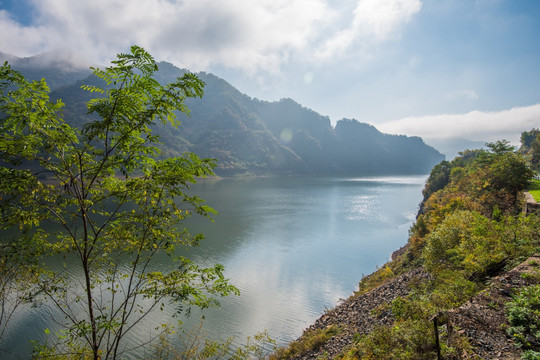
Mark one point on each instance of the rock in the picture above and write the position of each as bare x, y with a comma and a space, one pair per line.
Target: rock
356, 314
481, 320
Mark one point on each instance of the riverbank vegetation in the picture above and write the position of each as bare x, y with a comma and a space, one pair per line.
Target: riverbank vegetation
470, 228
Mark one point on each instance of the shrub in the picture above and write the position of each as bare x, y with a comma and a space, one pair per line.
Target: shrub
406, 340
479, 247
524, 319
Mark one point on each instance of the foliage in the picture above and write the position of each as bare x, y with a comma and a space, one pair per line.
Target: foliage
506, 169
478, 247
528, 138
311, 340
438, 179
470, 227
102, 196
198, 346
379, 277
524, 319
408, 340
485, 181
530, 147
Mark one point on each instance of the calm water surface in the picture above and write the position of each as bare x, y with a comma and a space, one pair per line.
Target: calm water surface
293, 246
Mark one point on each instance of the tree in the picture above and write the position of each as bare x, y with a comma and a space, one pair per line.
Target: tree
505, 173
530, 146
102, 195
438, 179
528, 137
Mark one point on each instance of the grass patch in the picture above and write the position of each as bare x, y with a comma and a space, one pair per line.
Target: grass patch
534, 189
310, 341
377, 278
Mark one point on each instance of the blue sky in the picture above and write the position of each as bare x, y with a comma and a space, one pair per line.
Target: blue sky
433, 68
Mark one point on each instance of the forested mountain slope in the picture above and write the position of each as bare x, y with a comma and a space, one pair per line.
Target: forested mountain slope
249, 136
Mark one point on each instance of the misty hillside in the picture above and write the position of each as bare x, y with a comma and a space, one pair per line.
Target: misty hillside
249, 136
57, 70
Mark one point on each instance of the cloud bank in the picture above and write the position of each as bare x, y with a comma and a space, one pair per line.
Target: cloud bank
245, 35
474, 125
373, 20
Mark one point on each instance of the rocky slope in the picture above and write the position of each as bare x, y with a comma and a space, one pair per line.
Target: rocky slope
360, 314
482, 321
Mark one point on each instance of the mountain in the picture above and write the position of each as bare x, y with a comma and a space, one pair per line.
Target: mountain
250, 136
380, 152
58, 69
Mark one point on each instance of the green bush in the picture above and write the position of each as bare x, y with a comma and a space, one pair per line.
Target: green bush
524, 319
457, 242
480, 247
405, 340
451, 289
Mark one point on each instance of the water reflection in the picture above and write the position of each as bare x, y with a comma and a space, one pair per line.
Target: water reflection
293, 246
303, 243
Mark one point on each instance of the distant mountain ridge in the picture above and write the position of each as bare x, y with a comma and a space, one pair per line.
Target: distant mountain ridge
57, 70
250, 136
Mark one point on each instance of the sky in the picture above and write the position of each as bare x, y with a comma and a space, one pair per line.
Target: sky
430, 68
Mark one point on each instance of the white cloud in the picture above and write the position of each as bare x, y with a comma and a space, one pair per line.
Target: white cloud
193, 33
475, 125
374, 20
19, 40
380, 17
247, 35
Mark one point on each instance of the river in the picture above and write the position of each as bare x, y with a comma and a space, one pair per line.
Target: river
294, 246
